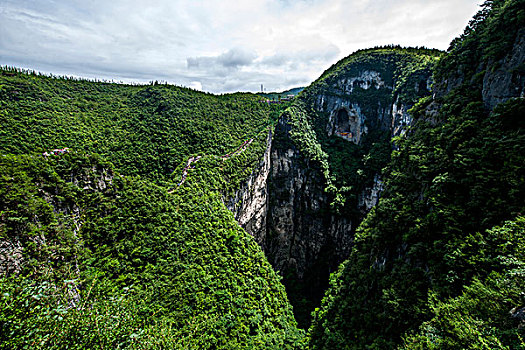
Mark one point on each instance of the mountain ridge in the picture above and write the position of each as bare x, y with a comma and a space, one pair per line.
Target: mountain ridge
405, 163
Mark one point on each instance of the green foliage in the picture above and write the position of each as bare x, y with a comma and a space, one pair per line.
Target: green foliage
142, 130
384, 59
445, 182
113, 261
479, 317
101, 249
96, 259
488, 37
453, 176
304, 137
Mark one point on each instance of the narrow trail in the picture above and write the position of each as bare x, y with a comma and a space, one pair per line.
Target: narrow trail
241, 149
188, 167
190, 164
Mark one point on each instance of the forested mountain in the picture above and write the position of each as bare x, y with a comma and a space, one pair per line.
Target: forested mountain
327, 155
97, 255
161, 217
142, 130
435, 262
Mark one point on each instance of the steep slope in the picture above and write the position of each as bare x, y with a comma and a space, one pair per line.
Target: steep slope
94, 259
326, 158
143, 130
457, 173
96, 255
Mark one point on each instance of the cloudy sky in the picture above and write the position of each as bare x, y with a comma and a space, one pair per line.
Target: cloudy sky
217, 46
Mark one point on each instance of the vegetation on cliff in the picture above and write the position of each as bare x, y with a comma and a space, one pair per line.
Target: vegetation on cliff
96, 255
123, 240
346, 164
431, 262
142, 130
399, 76
100, 260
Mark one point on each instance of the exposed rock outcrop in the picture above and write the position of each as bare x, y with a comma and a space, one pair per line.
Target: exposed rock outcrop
300, 225
11, 258
249, 205
347, 121
502, 80
369, 197
347, 118
366, 80
508, 79
401, 119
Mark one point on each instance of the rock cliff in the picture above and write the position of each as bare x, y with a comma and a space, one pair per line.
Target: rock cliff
446, 182
249, 205
304, 217
300, 225
508, 79
347, 117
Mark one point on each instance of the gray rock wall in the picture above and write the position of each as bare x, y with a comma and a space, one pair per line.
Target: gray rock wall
301, 227
249, 205
508, 79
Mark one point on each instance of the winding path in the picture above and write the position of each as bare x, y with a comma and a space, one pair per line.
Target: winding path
192, 160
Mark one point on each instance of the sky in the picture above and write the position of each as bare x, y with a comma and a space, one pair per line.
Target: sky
215, 46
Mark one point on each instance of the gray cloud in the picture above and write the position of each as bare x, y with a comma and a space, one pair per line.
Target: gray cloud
220, 46
233, 59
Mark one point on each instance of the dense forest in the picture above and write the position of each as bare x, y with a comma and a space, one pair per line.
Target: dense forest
438, 263
114, 232
142, 130
103, 245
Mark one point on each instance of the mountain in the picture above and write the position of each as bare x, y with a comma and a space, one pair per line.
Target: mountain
326, 158
387, 197
142, 130
438, 262
141, 251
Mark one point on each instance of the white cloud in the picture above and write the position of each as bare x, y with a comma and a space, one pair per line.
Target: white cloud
196, 85
224, 45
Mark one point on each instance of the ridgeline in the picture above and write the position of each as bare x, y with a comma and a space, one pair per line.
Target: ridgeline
380, 208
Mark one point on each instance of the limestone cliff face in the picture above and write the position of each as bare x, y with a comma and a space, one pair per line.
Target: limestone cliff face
508, 79
285, 203
346, 118
11, 258
369, 197
401, 119
344, 104
249, 205
502, 80
300, 225
283, 206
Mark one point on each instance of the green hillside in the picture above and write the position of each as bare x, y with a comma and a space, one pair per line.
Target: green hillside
99, 260
392, 188
97, 255
432, 263
142, 130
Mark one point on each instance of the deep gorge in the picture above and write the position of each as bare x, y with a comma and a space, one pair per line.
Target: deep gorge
381, 208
